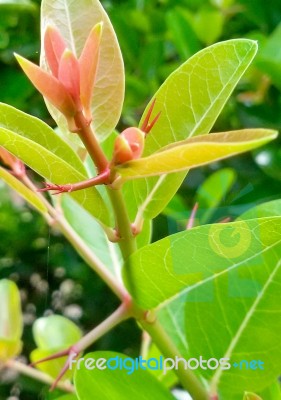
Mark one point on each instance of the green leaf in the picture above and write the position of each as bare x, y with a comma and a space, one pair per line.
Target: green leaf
190, 101
208, 24
269, 60
268, 209
117, 384
53, 169
172, 318
212, 191
78, 19
169, 268
23, 191
195, 152
36, 130
11, 324
52, 334
228, 277
182, 33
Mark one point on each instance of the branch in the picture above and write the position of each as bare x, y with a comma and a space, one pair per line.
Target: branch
37, 375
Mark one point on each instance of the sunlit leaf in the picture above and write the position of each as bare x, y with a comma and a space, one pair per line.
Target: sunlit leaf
54, 169
36, 130
195, 152
190, 101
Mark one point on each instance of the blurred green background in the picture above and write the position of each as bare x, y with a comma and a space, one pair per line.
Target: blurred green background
156, 36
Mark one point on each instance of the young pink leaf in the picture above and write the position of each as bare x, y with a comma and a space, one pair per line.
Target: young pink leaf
54, 46
49, 87
69, 76
88, 67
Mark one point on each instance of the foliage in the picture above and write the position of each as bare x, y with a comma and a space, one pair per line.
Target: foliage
198, 291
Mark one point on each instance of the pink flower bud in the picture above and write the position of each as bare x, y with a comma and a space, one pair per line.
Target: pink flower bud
128, 145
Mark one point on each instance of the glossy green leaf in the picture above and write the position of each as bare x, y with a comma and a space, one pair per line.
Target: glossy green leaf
117, 384
251, 396
75, 20
190, 101
68, 397
52, 334
224, 272
212, 191
53, 169
169, 268
36, 130
195, 152
22, 190
11, 324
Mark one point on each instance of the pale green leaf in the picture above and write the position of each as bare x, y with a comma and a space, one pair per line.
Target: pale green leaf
11, 324
22, 190
52, 334
36, 130
195, 152
190, 101
117, 384
53, 169
55, 331
75, 19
